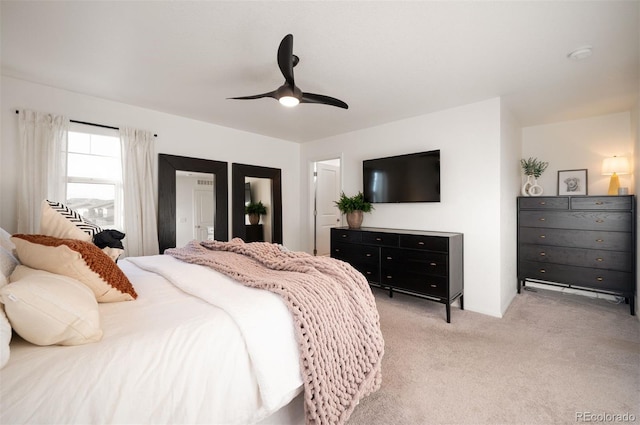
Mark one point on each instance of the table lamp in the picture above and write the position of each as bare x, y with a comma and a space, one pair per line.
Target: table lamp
613, 167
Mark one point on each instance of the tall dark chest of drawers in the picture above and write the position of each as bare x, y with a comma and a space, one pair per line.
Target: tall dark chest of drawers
585, 242
426, 264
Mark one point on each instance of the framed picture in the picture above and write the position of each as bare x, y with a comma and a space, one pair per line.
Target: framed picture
572, 182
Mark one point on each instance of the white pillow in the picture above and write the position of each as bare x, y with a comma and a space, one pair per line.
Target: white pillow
46, 309
5, 338
8, 262
60, 221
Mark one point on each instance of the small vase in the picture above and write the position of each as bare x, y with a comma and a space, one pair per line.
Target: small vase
535, 189
526, 186
254, 219
354, 219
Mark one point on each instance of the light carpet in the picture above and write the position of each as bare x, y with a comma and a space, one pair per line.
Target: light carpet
553, 358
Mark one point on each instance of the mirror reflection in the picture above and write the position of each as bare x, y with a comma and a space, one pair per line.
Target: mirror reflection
254, 187
192, 200
259, 225
195, 207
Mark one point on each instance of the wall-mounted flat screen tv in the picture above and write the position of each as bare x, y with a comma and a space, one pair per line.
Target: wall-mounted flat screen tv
404, 178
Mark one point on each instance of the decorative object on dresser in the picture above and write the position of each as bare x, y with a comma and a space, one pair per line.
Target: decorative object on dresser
573, 182
354, 207
533, 169
582, 242
613, 167
254, 210
425, 264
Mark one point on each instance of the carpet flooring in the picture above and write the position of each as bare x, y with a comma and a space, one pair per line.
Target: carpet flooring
553, 358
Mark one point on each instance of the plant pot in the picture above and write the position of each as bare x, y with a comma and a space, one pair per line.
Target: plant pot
254, 219
354, 219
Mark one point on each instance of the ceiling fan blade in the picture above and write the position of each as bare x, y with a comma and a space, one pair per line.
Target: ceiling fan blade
285, 58
325, 100
257, 96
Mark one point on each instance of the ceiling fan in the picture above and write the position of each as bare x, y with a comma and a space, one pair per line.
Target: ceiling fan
289, 94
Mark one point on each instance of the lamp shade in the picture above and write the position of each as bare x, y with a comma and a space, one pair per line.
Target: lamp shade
616, 164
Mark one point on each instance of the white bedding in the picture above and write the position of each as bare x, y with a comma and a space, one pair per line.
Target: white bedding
168, 357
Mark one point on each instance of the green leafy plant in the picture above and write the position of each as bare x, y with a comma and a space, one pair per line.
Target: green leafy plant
255, 208
533, 167
347, 204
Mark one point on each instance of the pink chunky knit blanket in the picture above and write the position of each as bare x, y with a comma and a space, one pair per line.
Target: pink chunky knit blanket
337, 322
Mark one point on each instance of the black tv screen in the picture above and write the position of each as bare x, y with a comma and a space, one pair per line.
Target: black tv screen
404, 178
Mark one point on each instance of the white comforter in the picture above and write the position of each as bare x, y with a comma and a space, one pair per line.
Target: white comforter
167, 357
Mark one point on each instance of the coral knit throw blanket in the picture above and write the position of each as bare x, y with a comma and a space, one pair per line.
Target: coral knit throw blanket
337, 322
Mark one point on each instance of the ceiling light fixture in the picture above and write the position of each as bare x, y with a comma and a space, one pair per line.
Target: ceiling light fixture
581, 53
288, 101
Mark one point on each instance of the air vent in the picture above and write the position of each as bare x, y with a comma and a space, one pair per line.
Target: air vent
205, 182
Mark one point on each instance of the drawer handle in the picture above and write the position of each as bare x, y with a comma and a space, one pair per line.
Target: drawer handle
599, 203
433, 285
600, 260
433, 264
389, 276
344, 236
378, 239
542, 271
368, 255
599, 240
542, 236
368, 272
599, 220
599, 278
389, 258
543, 203
337, 250
543, 254
543, 219
420, 243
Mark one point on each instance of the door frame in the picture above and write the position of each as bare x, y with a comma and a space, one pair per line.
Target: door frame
311, 219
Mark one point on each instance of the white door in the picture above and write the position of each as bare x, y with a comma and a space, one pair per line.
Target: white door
327, 214
204, 207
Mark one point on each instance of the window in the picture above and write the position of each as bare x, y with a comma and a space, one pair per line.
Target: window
94, 175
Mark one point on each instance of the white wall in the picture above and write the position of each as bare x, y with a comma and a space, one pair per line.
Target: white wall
469, 141
176, 135
581, 144
510, 153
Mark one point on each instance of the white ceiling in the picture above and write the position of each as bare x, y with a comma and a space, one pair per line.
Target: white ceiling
388, 60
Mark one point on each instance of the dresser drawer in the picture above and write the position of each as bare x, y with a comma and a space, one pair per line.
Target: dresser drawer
614, 241
593, 258
542, 202
370, 271
344, 235
601, 203
606, 280
432, 243
425, 262
589, 220
354, 253
415, 282
380, 238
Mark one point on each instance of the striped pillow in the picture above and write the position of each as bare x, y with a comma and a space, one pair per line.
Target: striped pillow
60, 221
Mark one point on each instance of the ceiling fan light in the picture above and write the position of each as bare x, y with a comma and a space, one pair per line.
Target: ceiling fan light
289, 101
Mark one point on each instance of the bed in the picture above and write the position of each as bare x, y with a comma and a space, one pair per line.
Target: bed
196, 346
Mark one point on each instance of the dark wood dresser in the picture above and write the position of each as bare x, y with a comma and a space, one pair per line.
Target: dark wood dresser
424, 264
584, 242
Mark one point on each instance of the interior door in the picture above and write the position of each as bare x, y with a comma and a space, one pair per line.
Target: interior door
327, 214
204, 207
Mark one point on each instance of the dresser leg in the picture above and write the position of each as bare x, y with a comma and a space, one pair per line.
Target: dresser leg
519, 285
632, 305
390, 292
461, 302
448, 313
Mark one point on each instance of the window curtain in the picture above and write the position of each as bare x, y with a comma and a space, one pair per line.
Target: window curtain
43, 162
139, 199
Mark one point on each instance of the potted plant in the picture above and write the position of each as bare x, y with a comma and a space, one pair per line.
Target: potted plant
533, 169
353, 207
255, 210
